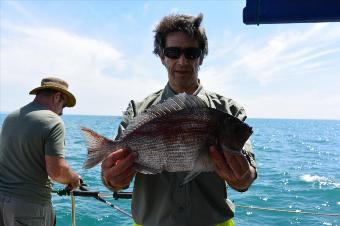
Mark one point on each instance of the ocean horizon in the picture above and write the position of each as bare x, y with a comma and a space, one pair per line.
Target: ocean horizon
118, 116
298, 174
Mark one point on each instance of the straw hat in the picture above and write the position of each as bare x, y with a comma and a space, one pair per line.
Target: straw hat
56, 84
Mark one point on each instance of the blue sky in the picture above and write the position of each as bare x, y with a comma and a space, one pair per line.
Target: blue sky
104, 50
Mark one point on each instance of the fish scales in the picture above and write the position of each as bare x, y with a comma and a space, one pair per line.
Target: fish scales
173, 136
174, 126
171, 143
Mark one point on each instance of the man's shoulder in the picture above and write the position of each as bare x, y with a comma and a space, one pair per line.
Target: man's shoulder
147, 101
226, 104
41, 117
135, 107
220, 99
32, 113
152, 97
47, 115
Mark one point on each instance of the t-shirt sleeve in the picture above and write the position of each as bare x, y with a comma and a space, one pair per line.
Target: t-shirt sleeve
54, 143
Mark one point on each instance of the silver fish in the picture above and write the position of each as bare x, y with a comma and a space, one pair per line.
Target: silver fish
173, 136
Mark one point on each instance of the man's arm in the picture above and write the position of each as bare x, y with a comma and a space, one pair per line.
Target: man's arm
58, 169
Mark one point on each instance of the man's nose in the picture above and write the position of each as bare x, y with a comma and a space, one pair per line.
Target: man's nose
182, 60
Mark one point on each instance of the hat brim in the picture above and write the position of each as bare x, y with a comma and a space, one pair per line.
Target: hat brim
70, 99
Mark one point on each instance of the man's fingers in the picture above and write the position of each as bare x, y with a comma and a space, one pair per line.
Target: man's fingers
238, 164
128, 177
217, 157
233, 163
111, 159
124, 164
119, 172
241, 159
233, 168
121, 180
223, 169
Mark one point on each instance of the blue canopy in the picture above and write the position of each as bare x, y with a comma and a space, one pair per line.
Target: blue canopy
291, 11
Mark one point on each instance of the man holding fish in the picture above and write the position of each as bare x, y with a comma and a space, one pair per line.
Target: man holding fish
166, 197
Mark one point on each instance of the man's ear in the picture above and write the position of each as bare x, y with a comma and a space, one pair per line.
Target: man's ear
57, 96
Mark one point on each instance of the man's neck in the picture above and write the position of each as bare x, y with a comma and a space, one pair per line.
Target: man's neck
45, 101
187, 89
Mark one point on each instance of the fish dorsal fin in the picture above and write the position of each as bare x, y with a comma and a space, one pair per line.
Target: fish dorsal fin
173, 104
176, 103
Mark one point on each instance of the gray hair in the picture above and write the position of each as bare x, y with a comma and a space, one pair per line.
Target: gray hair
190, 25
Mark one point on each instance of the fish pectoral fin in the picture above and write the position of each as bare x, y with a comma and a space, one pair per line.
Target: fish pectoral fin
145, 170
202, 164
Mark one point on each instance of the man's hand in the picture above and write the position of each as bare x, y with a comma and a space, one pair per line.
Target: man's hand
74, 181
117, 170
233, 168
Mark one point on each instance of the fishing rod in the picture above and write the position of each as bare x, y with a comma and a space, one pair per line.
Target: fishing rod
87, 193
122, 195
83, 191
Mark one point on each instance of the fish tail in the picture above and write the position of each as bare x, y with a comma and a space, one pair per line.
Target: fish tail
97, 147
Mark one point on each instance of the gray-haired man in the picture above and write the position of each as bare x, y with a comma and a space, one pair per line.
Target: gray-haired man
161, 199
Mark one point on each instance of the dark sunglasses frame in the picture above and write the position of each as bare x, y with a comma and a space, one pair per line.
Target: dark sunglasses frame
190, 53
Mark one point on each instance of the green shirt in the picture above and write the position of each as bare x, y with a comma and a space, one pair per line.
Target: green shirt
27, 135
161, 199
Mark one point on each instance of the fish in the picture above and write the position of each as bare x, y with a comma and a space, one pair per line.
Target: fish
173, 136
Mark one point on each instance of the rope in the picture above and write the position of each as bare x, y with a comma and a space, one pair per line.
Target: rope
73, 206
290, 211
127, 195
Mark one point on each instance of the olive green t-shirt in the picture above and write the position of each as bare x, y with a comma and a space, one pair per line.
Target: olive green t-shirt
27, 135
162, 199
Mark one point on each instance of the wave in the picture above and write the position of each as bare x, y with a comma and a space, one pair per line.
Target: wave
319, 179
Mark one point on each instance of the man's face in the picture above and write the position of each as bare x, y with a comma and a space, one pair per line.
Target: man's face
58, 103
183, 71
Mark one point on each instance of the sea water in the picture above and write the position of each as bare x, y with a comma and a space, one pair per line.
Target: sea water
298, 163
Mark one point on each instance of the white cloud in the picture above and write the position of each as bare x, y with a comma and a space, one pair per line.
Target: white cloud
284, 54
96, 71
289, 74
47, 49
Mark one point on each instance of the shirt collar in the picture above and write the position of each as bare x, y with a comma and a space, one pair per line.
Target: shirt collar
168, 92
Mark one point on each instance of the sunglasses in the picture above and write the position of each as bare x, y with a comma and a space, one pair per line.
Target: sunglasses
190, 53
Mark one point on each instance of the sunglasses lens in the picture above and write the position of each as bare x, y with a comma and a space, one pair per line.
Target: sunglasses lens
189, 53
192, 53
172, 52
